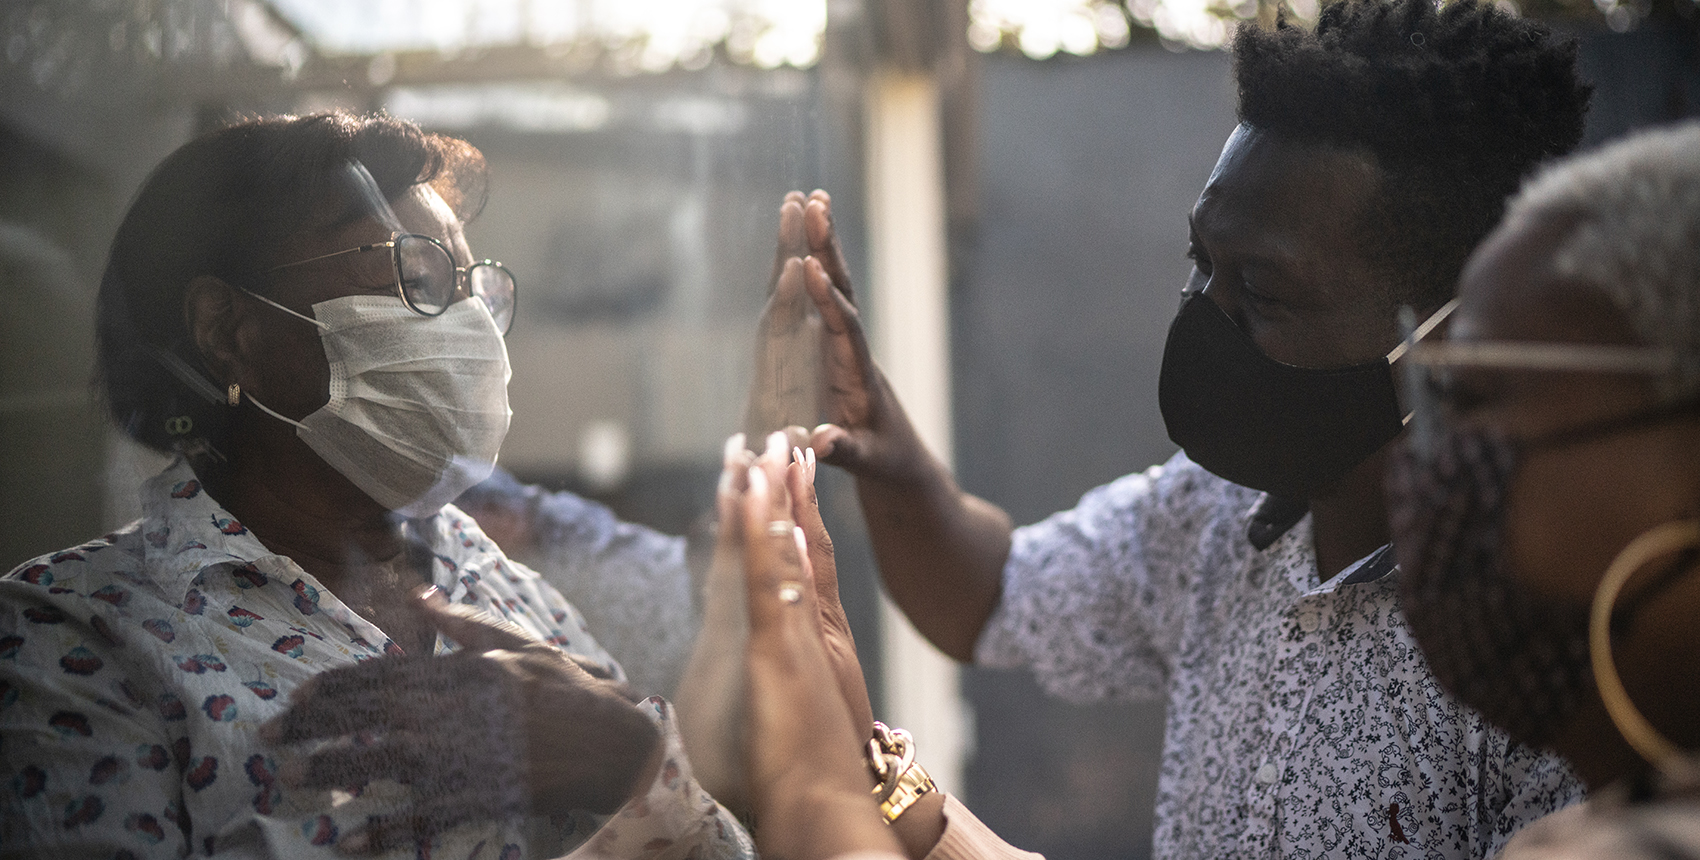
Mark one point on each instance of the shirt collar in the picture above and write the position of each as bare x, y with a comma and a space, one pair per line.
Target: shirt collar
1272, 517
1374, 567
1370, 568
185, 532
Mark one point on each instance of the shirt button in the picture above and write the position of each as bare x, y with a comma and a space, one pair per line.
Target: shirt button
1308, 622
1267, 773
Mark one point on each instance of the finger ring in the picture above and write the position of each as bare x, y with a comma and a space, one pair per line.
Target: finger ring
780, 528
790, 592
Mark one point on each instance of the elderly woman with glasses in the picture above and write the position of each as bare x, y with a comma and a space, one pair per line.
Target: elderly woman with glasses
302, 649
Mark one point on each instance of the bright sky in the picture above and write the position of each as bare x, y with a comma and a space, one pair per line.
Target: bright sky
662, 33
657, 35
1041, 28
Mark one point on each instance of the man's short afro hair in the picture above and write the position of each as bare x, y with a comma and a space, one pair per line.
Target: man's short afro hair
1457, 103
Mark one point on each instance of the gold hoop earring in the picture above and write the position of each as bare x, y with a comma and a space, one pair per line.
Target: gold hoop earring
1650, 544
233, 394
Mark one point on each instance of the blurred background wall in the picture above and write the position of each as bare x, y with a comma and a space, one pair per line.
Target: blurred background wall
636, 178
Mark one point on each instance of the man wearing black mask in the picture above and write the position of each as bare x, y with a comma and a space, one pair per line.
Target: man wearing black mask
1248, 581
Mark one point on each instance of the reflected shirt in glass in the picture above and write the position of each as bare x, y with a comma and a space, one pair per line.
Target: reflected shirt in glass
135, 669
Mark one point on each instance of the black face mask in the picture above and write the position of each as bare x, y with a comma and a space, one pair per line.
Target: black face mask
1288, 431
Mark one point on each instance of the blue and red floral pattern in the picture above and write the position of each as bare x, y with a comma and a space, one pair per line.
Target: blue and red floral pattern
135, 669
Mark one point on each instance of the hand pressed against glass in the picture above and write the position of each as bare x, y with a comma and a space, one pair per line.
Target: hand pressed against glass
808, 705
534, 731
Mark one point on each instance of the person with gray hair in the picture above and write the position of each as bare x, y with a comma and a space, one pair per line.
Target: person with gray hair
1546, 501
1636, 211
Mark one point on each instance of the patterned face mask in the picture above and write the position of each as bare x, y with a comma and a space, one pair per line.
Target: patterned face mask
1520, 659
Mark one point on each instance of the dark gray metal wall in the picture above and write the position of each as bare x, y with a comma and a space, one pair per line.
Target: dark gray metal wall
1071, 276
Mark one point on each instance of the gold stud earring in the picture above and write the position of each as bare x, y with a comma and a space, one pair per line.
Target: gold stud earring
233, 394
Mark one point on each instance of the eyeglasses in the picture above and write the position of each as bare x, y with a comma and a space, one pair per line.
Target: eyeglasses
427, 278
1523, 355
1429, 365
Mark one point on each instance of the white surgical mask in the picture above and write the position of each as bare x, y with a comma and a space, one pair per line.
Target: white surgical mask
418, 405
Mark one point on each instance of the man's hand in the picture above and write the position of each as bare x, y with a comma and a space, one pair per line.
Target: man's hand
866, 431
812, 359
786, 386
941, 551
504, 727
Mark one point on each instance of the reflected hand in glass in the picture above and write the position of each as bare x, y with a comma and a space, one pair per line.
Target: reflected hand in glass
535, 732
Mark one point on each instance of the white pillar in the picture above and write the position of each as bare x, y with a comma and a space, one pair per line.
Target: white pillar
910, 319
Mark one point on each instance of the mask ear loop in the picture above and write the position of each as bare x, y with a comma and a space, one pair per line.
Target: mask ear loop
249, 395
360, 183
275, 414
1646, 740
298, 315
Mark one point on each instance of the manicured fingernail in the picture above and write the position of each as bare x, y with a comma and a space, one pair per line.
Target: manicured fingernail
734, 444
776, 443
797, 456
811, 455
758, 480
431, 594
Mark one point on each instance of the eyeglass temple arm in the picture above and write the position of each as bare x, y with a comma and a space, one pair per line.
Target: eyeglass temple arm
1416, 333
1420, 416
1577, 357
371, 247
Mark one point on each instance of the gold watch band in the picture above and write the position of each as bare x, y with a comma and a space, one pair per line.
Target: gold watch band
902, 781
912, 785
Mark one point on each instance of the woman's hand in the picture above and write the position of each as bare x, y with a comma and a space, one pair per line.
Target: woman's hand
712, 700
839, 642
810, 782
533, 731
